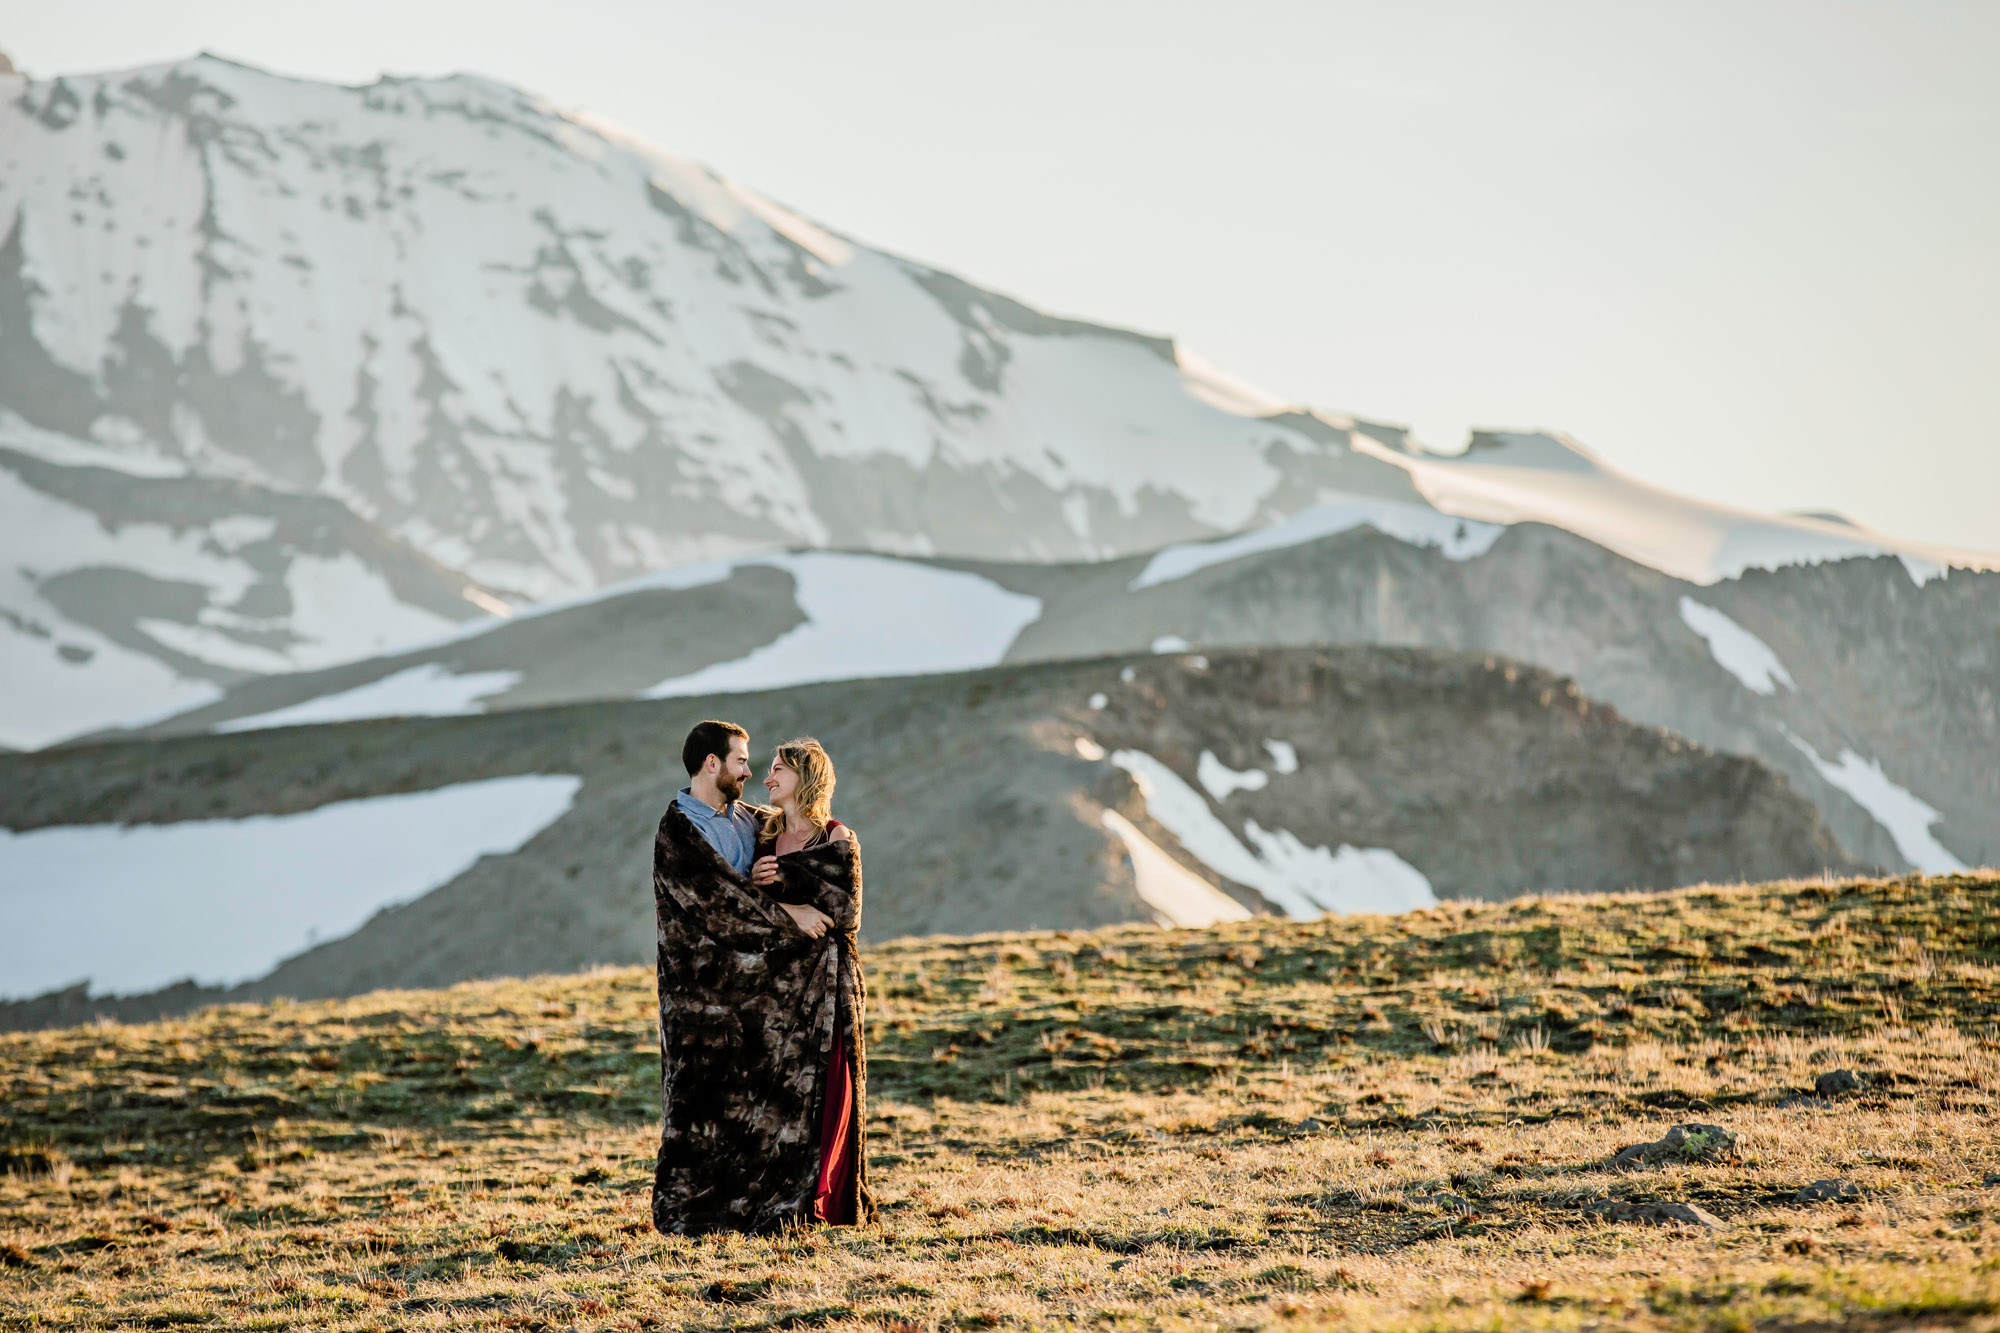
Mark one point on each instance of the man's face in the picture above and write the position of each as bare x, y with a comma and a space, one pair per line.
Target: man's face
735, 769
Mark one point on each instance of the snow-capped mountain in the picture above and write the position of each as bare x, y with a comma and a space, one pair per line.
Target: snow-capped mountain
521, 347
294, 373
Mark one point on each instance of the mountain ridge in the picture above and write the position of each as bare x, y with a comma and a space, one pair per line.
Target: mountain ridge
1872, 692
1177, 789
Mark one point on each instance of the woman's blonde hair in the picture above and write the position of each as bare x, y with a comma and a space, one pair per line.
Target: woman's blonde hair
814, 798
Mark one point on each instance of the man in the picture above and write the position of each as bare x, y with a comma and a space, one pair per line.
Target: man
716, 756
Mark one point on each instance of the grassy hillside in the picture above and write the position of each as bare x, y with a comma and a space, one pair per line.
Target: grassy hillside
1362, 1123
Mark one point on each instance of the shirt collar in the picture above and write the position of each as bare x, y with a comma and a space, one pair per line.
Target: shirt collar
705, 807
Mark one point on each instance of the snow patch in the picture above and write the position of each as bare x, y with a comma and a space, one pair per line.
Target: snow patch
1906, 816
870, 616
1736, 650
430, 690
49, 696
1098, 700
1089, 749
1458, 538
1220, 779
1921, 570
133, 908
1352, 879
1284, 758
139, 458
1303, 881
341, 609
1169, 643
1177, 895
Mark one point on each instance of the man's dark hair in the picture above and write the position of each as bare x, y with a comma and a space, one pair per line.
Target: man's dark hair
709, 738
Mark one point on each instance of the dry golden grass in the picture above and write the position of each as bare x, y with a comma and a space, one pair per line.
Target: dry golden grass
1365, 1123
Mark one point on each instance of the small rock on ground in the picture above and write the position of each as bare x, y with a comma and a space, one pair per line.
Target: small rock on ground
1828, 1191
1836, 1082
1660, 1212
1683, 1143
1448, 1202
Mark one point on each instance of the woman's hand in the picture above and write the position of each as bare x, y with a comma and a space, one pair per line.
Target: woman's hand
810, 919
764, 871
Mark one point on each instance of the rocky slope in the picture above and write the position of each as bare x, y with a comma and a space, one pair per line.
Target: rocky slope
1163, 788
1876, 693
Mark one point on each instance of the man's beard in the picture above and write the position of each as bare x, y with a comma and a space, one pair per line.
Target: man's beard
730, 786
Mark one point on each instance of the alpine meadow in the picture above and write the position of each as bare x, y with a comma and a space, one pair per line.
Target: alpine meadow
1426, 1121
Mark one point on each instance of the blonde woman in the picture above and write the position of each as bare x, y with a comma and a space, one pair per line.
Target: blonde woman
810, 864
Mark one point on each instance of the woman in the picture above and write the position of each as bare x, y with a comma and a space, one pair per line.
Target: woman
810, 864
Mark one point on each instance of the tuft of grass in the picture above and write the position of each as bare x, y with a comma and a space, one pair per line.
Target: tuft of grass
1364, 1123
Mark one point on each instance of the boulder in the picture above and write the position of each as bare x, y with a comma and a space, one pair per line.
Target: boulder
1682, 1143
1659, 1212
1828, 1191
1446, 1202
1837, 1083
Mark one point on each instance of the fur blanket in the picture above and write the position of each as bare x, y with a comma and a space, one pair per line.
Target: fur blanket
748, 1008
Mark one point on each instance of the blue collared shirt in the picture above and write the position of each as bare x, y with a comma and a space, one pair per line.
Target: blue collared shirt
732, 830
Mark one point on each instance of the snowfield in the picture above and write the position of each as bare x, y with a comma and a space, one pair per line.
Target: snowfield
430, 690
1304, 882
871, 616
235, 897
1459, 539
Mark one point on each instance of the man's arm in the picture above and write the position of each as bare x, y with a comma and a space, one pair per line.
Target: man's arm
702, 887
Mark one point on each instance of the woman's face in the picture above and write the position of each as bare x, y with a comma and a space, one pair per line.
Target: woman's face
781, 781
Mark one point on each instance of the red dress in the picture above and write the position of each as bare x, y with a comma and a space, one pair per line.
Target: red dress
833, 1194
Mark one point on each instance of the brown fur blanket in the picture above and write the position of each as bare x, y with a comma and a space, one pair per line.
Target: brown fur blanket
748, 1008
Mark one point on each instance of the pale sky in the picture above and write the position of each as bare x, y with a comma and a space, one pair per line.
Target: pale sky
1749, 251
